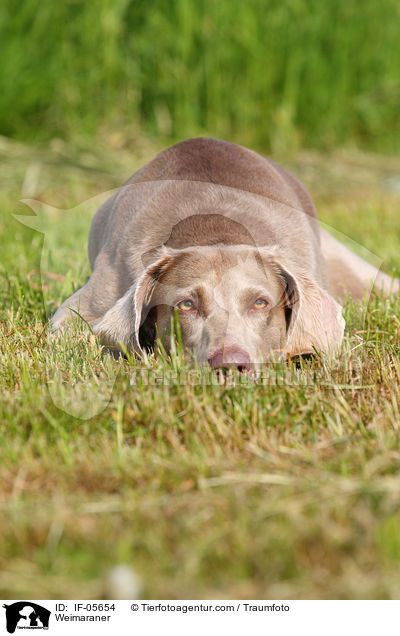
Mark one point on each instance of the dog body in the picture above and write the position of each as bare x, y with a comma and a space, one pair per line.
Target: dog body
230, 241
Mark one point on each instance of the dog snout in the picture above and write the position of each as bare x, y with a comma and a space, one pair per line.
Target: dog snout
231, 357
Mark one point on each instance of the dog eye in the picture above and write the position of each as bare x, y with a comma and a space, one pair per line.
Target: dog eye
186, 305
260, 303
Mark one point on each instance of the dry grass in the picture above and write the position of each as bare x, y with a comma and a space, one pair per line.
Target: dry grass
287, 490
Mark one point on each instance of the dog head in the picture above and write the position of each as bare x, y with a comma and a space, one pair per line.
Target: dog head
237, 306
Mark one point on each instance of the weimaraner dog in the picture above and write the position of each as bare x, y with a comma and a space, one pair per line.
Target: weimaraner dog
230, 243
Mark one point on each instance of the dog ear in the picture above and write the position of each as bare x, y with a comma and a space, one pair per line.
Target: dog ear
314, 319
122, 322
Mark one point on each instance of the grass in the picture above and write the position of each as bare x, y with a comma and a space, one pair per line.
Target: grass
278, 74
287, 490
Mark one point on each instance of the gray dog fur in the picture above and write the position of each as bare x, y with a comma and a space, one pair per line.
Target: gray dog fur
236, 235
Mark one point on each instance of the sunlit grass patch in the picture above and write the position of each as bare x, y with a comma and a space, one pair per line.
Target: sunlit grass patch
285, 488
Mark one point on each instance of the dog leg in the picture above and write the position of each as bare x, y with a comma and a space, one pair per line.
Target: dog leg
351, 274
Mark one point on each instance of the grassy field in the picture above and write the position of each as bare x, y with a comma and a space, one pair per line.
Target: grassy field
289, 490
277, 74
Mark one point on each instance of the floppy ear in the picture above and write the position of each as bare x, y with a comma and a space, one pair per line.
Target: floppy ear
122, 322
314, 318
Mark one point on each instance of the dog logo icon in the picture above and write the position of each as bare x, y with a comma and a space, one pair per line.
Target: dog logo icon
26, 615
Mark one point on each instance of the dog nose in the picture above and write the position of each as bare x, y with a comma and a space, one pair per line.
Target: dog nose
230, 358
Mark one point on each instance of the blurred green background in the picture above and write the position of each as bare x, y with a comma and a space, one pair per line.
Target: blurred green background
272, 74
